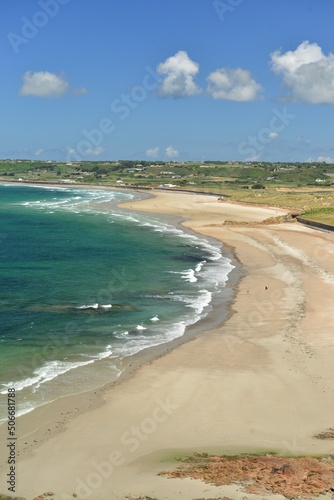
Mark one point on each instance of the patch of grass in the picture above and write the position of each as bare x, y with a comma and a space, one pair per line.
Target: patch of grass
281, 198
324, 215
6, 497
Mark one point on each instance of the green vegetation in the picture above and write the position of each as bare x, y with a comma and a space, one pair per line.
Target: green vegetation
299, 186
324, 215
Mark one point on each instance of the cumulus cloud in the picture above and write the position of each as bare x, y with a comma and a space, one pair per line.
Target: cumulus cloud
307, 72
43, 84
152, 152
233, 84
171, 152
180, 72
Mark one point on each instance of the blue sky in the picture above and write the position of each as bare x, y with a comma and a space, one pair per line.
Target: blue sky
167, 80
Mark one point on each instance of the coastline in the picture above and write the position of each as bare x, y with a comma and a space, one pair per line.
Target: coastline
54, 416
83, 401
211, 393
130, 363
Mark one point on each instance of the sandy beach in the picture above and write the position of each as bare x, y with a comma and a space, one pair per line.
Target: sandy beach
260, 382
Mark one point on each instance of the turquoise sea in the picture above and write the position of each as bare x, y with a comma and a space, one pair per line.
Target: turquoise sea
84, 285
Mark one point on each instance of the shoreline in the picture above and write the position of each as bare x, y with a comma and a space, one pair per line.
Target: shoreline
268, 350
131, 363
83, 401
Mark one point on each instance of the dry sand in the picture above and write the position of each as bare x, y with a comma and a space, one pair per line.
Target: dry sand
263, 381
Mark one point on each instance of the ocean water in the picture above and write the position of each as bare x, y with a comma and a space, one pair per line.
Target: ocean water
84, 285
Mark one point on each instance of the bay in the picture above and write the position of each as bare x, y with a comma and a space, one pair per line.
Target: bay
84, 284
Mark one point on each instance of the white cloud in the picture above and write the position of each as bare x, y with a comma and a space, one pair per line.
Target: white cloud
94, 151
171, 152
321, 159
43, 84
38, 152
257, 157
180, 72
80, 91
85, 151
306, 72
153, 152
233, 84
273, 135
